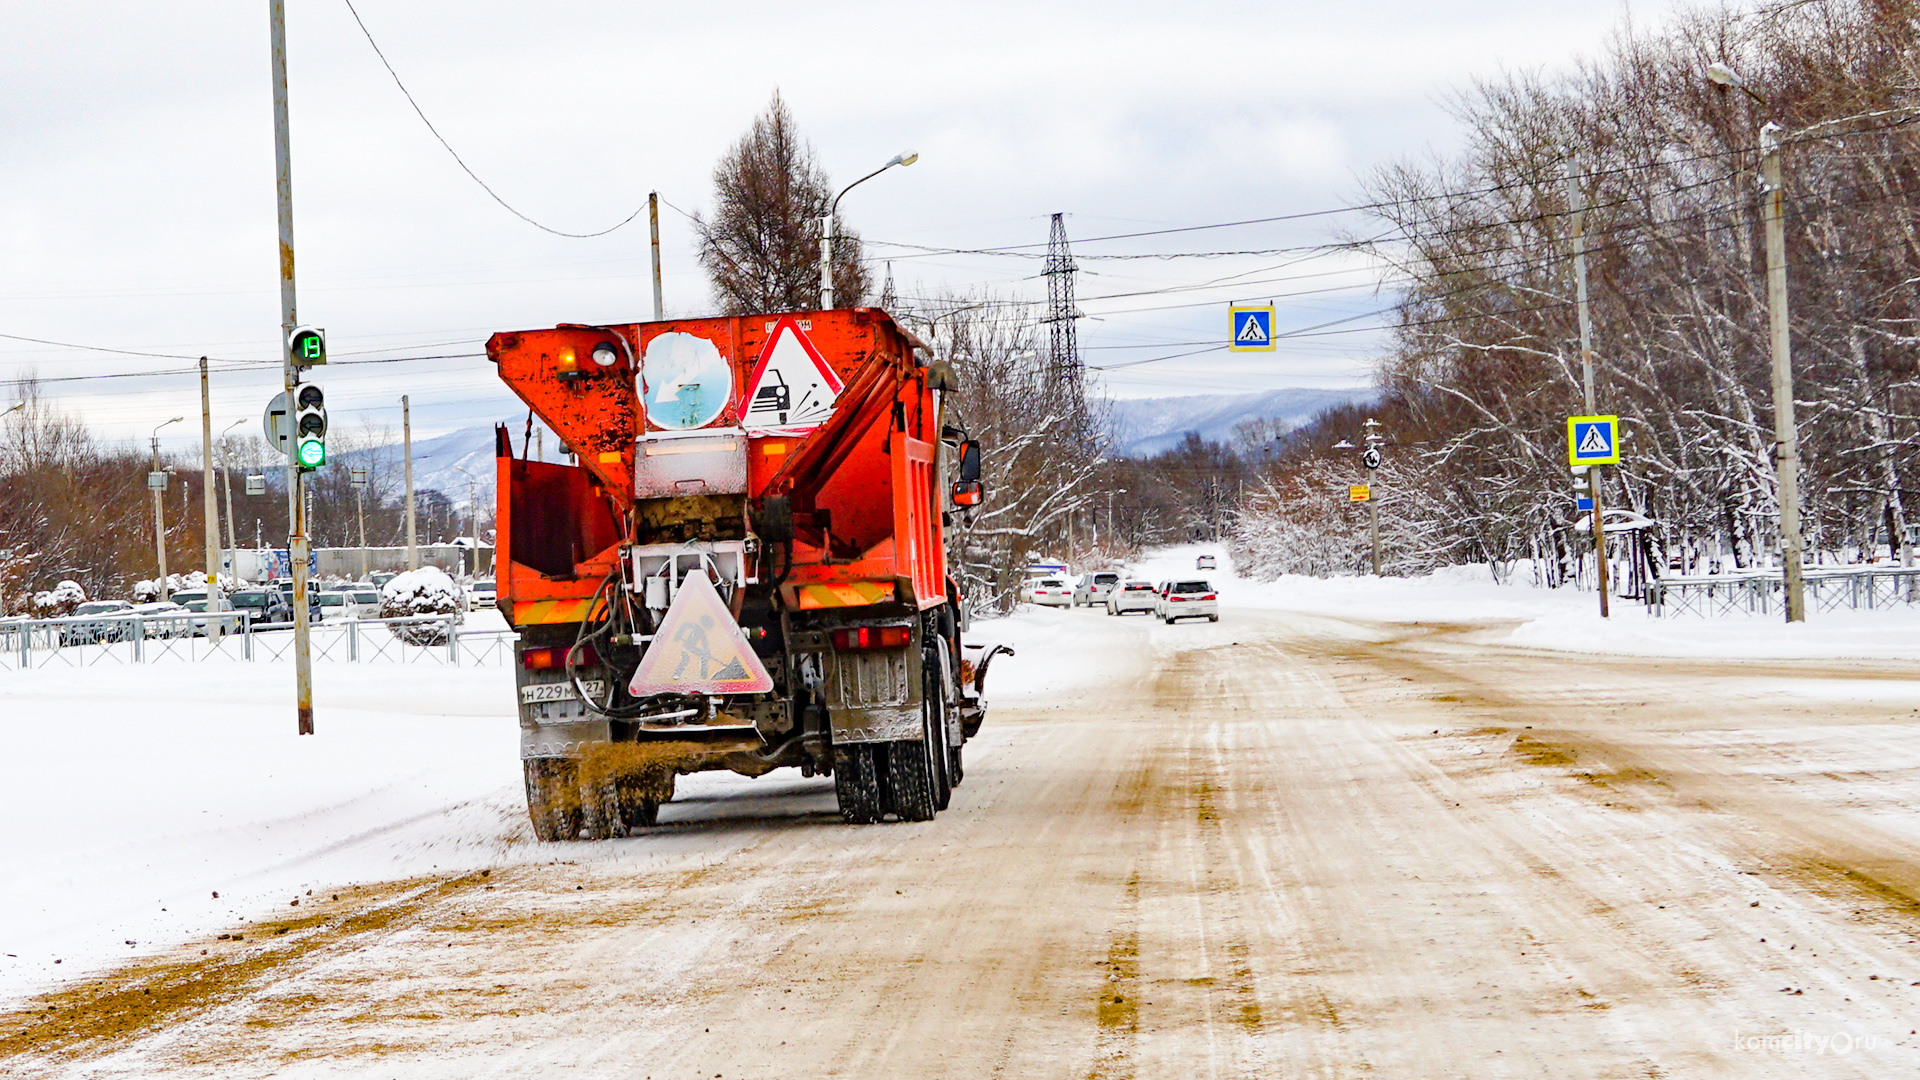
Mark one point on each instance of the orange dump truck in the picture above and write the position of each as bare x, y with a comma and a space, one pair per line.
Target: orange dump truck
746, 569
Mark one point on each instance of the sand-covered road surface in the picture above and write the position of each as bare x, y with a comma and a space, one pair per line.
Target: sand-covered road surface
1276, 846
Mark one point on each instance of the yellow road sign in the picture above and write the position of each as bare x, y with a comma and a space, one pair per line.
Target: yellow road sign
1593, 440
699, 649
1359, 492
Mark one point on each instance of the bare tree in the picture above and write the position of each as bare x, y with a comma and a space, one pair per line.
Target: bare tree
761, 250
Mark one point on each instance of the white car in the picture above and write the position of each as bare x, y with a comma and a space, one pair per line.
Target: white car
1092, 589
1189, 600
1132, 596
157, 623
1204, 562
481, 593
1047, 591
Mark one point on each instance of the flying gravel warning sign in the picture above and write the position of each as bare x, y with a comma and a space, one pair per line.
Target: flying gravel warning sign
699, 649
1252, 329
1593, 440
793, 388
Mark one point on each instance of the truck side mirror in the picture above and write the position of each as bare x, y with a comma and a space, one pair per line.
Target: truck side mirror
969, 461
968, 492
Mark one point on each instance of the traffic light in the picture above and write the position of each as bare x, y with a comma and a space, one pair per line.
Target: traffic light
310, 427
307, 346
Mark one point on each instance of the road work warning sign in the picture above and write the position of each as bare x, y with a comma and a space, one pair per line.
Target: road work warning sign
1593, 440
1359, 493
699, 649
793, 388
1252, 329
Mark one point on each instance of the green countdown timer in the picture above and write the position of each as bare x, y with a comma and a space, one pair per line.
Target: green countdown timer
308, 346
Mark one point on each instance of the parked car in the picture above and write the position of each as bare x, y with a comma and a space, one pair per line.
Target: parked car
380, 579
336, 605
1204, 562
157, 624
285, 588
366, 599
1092, 589
199, 609
1132, 596
79, 630
1189, 600
1048, 591
268, 606
481, 594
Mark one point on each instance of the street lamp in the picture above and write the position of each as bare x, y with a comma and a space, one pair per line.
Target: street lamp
226, 482
906, 157
473, 514
157, 483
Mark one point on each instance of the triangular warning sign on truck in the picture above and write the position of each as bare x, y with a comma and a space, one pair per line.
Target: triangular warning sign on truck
699, 649
793, 388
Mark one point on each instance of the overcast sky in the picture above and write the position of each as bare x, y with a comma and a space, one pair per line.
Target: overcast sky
137, 198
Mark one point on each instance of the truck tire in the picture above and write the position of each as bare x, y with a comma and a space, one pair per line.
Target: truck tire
641, 799
910, 777
600, 816
956, 768
553, 798
856, 783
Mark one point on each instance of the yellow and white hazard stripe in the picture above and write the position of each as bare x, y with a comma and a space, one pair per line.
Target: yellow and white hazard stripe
533, 612
846, 594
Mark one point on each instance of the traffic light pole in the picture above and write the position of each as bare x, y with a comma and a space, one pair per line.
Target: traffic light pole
296, 501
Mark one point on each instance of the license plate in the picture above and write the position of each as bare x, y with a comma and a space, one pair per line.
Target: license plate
559, 691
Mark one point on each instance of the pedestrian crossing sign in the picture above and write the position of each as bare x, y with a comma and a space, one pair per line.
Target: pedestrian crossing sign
1252, 329
1593, 440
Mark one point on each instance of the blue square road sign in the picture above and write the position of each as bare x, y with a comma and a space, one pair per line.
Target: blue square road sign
1252, 329
1593, 440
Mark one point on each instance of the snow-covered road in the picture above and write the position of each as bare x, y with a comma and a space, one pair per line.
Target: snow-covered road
1284, 844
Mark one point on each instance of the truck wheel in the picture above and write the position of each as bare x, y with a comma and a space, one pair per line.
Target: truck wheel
641, 799
600, 816
856, 783
553, 798
910, 779
956, 769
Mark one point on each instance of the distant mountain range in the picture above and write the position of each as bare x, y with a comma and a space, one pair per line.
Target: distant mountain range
1143, 427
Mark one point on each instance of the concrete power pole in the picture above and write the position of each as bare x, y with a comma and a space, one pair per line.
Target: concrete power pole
296, 503
211, 502
406, 442
1577, 201
653, 223
1786, 435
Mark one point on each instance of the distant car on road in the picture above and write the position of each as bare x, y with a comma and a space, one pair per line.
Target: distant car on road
1189, 600
1132, 596
1204, 562
481, 594
1048, 591
1092, 589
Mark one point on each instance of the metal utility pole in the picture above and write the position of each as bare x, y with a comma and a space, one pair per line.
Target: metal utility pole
406, 442
226, 483
1576, 200
359, 480
296, 503
211, 500
1371, 459
1063, 343
1786, 455
653, 223
157, 483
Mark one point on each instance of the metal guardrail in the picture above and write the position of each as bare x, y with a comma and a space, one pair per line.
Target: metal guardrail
1862, 588
95, 640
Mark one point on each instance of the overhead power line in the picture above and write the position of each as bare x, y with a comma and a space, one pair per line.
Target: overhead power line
464, 167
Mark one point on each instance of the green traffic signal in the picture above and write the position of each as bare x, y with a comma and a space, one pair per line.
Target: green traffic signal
307, 345
313, 453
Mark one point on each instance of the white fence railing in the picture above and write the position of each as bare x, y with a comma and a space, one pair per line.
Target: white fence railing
95, 640
1853, 588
